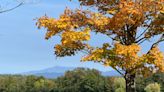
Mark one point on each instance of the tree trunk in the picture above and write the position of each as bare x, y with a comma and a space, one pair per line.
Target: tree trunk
130, 83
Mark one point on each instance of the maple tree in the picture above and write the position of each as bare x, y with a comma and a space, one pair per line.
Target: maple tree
129, 23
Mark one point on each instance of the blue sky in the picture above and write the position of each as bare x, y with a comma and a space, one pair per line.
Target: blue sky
23, 47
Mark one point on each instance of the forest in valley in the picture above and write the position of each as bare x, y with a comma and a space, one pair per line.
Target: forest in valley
78, 80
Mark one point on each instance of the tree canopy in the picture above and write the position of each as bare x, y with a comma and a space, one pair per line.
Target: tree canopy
129, 23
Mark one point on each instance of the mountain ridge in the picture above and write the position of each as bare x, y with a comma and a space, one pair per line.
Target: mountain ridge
57, 71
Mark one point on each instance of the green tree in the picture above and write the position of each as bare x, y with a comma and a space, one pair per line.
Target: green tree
43, 85
120, 90
153, 87
119, 84
81, 80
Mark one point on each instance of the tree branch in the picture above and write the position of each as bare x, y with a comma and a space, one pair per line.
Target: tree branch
123, 75
12, 8
148, 26
142, 39
156, 43
142, 33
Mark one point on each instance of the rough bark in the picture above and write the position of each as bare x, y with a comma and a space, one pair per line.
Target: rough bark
130, 83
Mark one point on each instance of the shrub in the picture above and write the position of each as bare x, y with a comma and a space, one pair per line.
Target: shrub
153, 87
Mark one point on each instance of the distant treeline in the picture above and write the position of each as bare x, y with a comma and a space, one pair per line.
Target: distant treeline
78, 80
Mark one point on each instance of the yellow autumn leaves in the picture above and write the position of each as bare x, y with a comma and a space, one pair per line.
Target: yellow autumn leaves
99, 22
70, 37
127, 57
121, 21
96, 55
155, 57
55, 26
76, 36
72, 41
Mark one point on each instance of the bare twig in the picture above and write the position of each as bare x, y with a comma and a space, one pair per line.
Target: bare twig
142, 33
123, 75
140, 40
156, 43
12, 8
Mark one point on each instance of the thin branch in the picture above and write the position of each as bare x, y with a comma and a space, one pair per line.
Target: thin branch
145, 29
123, 75
112, 38
84, 52
156, 43
160, 40
142, 39
142, 33
121, 40
12, 8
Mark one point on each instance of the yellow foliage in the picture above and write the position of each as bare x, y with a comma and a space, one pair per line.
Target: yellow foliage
156, 58
121, 20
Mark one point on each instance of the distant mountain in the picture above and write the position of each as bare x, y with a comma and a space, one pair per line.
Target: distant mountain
52, 72
58, 71
111, 73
